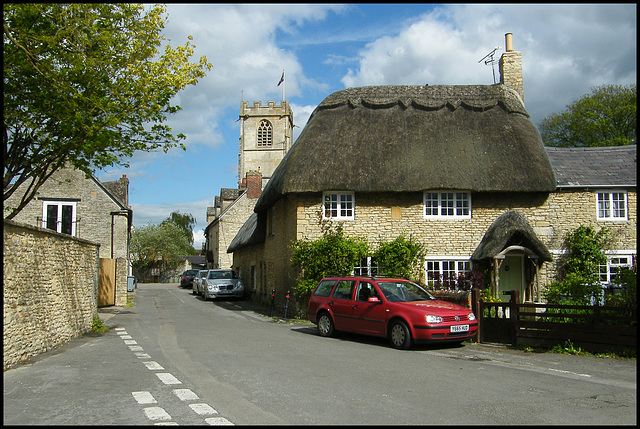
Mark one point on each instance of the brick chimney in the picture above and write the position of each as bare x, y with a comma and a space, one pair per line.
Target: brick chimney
254, 184
511, 67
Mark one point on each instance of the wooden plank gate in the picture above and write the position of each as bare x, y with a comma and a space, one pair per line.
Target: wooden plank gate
594, 328
107, 282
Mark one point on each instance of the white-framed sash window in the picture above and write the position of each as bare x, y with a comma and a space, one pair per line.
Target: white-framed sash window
612, 205
338, 205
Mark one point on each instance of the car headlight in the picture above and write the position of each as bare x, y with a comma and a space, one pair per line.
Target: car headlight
213, 287
432, 318
472, 317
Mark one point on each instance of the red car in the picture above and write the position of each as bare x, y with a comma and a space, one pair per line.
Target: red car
383, 307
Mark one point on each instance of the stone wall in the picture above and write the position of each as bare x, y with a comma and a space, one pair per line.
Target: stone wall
50, 290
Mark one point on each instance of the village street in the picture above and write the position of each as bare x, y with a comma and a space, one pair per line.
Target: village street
173, 358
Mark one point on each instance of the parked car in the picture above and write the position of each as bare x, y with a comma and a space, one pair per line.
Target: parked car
186, 279
222, 283
397, 309
197, 282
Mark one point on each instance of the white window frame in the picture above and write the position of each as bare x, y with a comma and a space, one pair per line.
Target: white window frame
59, 204
343, 203
447, 205
456, 265
615, 261
608, 208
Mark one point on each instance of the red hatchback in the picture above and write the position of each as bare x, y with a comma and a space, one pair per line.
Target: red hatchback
383, 307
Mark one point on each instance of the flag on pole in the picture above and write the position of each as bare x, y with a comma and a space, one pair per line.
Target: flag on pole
282, 78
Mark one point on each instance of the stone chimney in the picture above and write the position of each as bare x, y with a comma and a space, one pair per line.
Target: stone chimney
511, 67
254, 184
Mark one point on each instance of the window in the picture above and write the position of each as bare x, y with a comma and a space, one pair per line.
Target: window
450, 274
271, 219
367, 267
338, 206
265, 134
365, 291
344, 289
612, 205
614, 263
59, 216
324, 288
447, 204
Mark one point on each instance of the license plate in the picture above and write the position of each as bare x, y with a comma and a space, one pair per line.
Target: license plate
460, 328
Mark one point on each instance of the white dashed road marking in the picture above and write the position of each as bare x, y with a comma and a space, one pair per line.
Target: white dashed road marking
203, 409
185, 394
153, 365
167, 378
218, 421
156, 413
144, 397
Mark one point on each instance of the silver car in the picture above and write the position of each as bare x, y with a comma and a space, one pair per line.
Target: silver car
197, 282
222, 284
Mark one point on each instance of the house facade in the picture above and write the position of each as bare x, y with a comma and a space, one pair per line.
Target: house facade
461, 169
71, 203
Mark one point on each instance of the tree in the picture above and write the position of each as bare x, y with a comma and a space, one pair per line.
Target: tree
86, 86
579, 267
606, 117
185, 222
332, 254
158, 245
401, 258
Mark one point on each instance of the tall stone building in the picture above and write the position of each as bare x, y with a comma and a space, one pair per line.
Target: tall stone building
266, 135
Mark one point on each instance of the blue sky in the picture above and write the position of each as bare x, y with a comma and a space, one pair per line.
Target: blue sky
566, 50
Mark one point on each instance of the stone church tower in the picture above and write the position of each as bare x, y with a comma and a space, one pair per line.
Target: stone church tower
266, 135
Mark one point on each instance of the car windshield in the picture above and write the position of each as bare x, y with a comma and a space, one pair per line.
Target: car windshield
192, 272
222, 275
396, 291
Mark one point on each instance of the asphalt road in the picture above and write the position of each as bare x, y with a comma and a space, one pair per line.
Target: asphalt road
175, 359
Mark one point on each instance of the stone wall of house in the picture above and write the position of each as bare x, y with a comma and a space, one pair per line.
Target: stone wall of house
383, 217
50, 290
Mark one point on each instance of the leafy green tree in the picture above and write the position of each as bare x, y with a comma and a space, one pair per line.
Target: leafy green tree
185, 222
158, 245
579, 272
606, 117
401, 258
332, 254
86, 85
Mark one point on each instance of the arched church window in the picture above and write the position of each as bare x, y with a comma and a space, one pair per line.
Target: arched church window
265, 134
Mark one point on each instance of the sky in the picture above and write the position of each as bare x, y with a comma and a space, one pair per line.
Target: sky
567, 49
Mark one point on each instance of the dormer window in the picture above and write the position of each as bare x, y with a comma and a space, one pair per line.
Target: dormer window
265, 134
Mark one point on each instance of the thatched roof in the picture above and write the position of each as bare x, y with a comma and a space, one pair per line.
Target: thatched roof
510, 229
414, 138
579, 167
248, 234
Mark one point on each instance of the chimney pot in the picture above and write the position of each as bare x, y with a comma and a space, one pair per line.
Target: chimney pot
509, 42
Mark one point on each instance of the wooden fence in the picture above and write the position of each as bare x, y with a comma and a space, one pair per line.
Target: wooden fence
592, 328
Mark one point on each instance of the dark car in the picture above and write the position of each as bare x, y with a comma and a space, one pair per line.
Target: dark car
186, 279
397, 309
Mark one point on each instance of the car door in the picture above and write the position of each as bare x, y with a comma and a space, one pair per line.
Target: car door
368, 317
341, 304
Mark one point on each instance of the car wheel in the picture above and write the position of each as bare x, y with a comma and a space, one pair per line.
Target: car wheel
400, 335
325, 325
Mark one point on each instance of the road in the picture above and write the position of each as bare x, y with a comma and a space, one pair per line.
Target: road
175, 359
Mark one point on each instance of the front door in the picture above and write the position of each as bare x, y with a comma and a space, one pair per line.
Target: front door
511, 276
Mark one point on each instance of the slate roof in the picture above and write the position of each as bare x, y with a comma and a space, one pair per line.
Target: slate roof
595, 166
412, 138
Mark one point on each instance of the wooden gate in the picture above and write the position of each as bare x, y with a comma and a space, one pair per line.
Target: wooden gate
107, 282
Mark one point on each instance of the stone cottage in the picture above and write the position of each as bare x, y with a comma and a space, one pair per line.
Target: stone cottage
462, 169
71, 203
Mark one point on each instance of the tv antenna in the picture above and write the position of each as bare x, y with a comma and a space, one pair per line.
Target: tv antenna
488, 59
